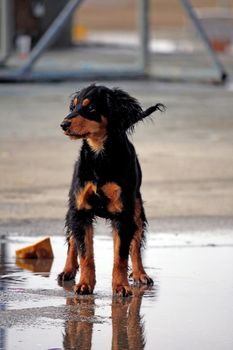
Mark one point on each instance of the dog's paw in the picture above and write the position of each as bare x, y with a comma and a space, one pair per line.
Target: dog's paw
141, 278
83, 289
122, 291
66, 276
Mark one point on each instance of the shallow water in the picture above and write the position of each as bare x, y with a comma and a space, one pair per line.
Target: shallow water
190, 305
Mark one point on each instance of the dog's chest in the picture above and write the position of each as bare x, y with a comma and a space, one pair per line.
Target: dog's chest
104, 198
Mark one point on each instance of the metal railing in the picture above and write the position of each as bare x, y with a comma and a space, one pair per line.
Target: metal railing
139, 69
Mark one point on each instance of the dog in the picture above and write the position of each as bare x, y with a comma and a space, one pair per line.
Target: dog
106, 183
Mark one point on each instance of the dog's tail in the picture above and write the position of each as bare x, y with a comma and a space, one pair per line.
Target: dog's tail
158, 107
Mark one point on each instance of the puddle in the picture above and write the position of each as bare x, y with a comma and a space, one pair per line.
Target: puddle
190, 305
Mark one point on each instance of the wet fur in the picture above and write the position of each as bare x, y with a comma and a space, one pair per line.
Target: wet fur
106, 182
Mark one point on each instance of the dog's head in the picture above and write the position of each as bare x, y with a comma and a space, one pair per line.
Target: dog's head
96, 111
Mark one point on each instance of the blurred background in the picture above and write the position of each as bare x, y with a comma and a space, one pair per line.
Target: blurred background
107, 34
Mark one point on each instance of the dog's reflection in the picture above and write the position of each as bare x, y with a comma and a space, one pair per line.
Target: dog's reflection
78, 330
127, 323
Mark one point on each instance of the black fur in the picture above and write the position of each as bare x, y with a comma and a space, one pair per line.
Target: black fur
116, 163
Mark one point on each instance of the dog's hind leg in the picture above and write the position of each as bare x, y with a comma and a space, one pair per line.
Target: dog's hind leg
138, 273
71, 265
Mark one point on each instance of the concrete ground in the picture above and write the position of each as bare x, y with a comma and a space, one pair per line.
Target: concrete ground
186, 153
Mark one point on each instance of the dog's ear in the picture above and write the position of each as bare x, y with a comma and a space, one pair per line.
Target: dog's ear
126, 110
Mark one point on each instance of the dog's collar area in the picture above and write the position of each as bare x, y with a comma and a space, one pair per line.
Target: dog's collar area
97, 143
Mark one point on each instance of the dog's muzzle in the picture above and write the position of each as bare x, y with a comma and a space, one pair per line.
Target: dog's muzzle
65, 125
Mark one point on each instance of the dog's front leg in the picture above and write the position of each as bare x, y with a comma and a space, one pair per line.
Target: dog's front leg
122, 236
71, 265
86, 259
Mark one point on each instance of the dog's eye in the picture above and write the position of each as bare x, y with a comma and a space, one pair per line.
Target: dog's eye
91, 107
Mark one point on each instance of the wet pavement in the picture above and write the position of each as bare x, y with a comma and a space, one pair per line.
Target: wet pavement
190, 305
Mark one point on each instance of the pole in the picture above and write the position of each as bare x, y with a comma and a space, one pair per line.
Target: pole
143, 29
192, 14
50, 35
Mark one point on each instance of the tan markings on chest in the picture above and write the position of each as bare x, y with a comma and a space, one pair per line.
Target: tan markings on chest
113, 192
83, 194
97, 139
96, 143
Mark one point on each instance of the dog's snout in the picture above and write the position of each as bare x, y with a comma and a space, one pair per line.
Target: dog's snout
65, 125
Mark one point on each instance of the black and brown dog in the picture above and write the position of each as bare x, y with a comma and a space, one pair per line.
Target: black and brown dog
106, 183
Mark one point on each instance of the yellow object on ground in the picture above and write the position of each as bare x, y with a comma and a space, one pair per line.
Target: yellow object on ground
38, 250
35, 265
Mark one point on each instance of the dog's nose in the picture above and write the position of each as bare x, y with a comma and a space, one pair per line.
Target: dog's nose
65, 125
